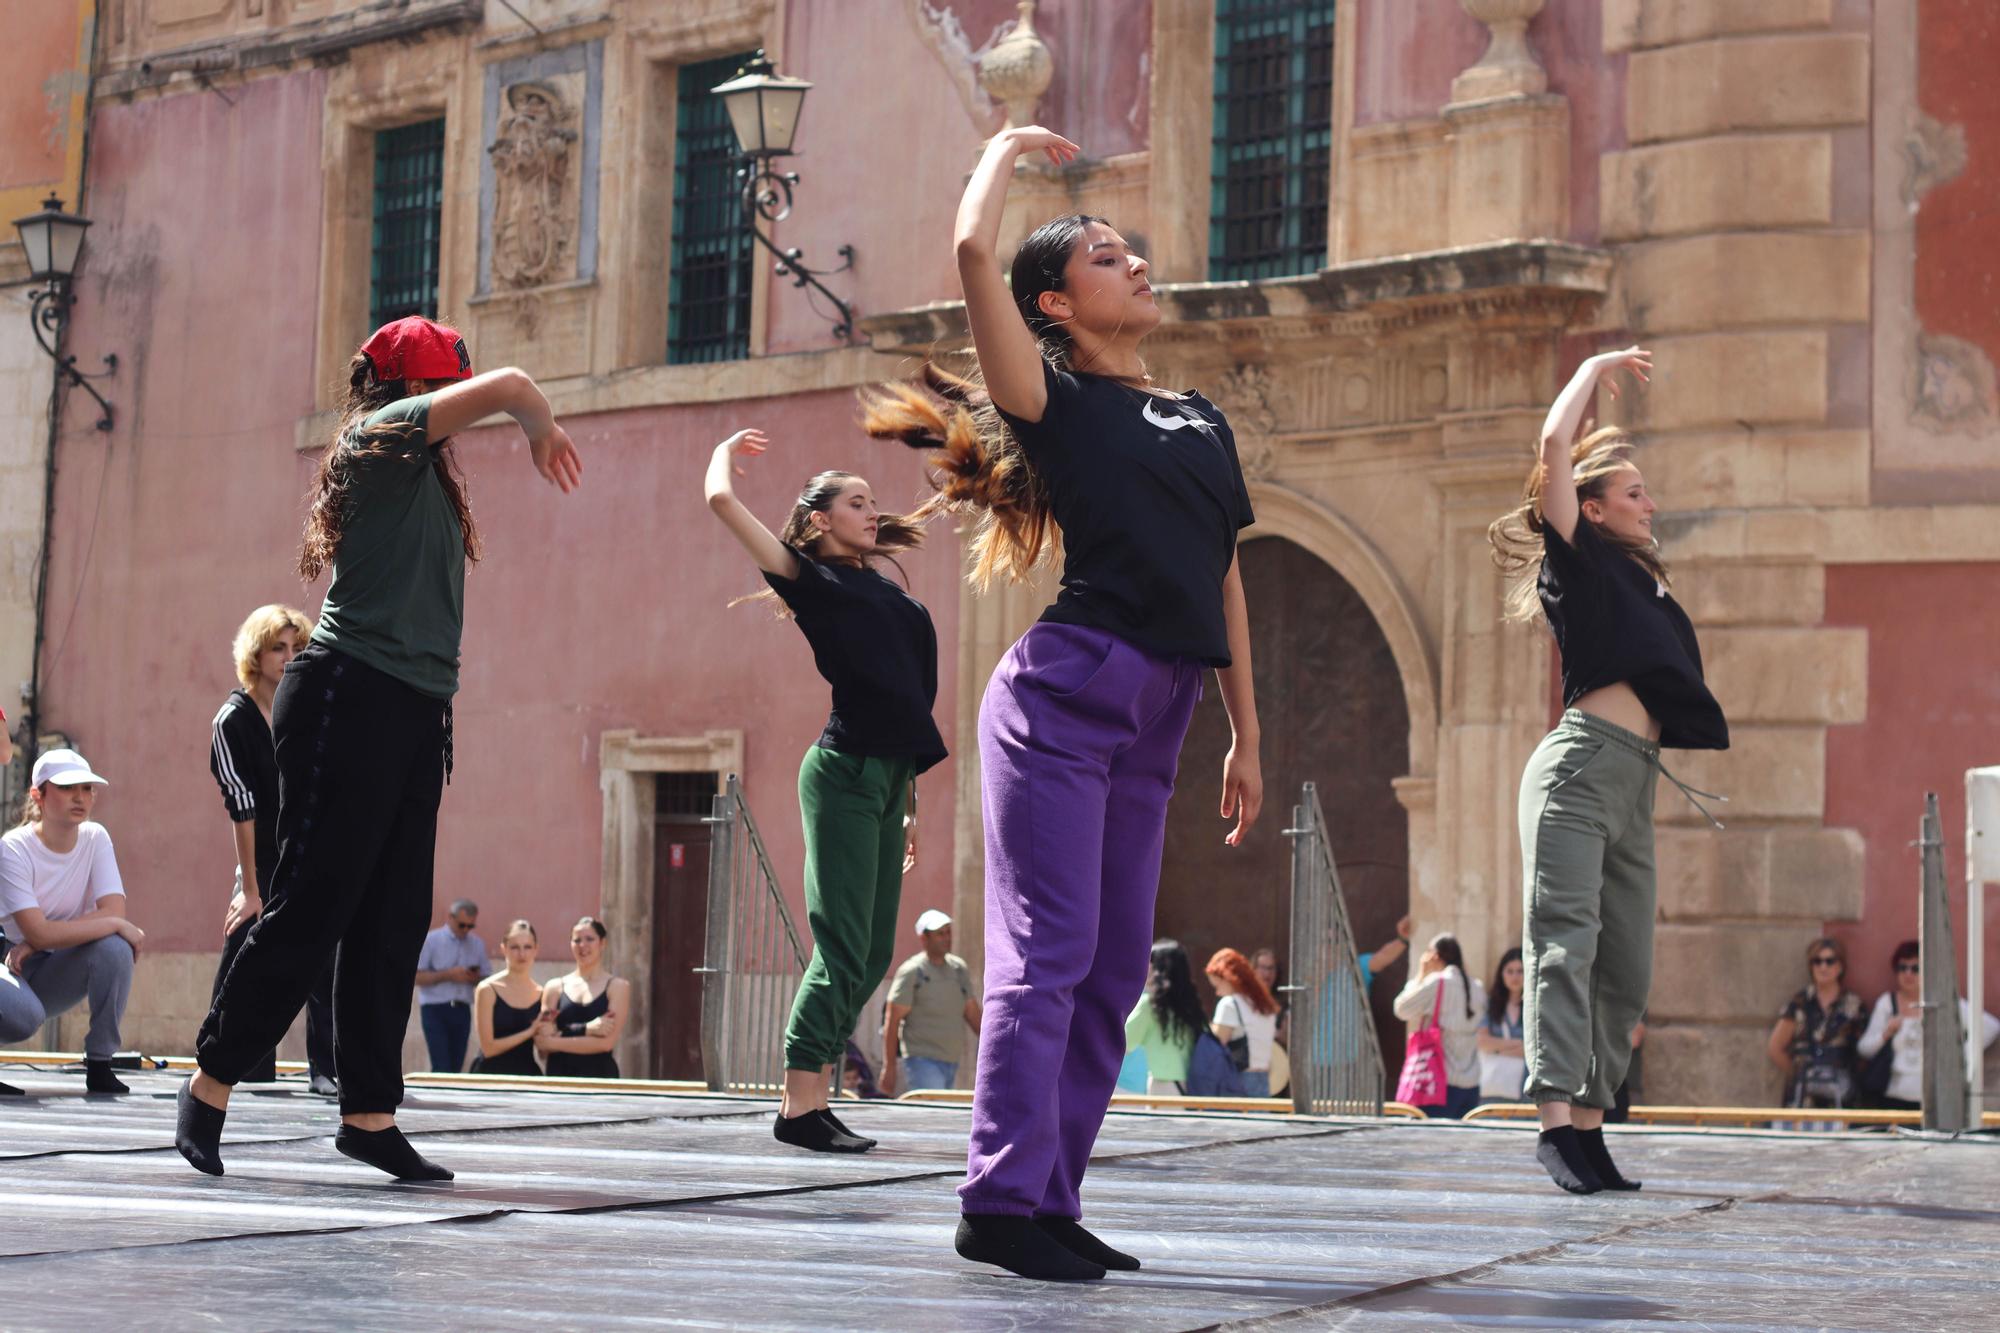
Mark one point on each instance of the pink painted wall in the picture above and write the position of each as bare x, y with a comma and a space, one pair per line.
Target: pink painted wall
1408, 52
892, 194
1933, 712
597, 611
34, 102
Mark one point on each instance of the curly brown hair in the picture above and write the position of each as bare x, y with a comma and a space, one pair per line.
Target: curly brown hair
326, 520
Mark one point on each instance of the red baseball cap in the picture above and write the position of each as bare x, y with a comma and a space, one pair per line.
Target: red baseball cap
415, 348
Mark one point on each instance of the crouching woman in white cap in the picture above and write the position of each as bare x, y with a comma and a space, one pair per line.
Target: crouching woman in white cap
930, 997
64, 913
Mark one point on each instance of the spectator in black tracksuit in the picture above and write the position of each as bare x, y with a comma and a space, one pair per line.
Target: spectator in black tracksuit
245, 763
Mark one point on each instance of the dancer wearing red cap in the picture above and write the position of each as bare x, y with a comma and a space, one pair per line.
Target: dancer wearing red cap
362, 724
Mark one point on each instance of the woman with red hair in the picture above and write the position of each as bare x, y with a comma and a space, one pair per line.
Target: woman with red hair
1246, 1018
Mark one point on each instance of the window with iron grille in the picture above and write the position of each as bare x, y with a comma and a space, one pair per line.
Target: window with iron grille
409, 204
684, 797
708, 289
1273, 138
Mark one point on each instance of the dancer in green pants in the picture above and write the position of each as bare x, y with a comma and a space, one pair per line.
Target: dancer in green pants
876, 647
1580, 553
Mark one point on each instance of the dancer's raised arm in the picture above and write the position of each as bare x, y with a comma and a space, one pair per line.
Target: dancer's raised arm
1009, 357
458, 406
1559, 503
769, 553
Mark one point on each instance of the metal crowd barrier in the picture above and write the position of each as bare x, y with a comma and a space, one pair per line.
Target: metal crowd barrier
754, 959
1336, 1059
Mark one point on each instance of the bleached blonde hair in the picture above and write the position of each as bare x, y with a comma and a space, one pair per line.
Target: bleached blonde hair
260, 631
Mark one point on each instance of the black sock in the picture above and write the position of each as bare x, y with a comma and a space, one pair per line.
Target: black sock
826, 1112
1018, 1245
1561, 1155
198, 1131
1599, 1157
1080, 1242
387, 1150
9, 1090
97, 1077
816, 1133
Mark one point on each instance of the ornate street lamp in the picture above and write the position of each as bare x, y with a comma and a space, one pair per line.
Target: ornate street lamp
763, 110
53, 241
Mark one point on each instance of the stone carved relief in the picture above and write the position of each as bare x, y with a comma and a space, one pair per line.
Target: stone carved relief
1258, 406
1952, 383
1934, 154
535, 217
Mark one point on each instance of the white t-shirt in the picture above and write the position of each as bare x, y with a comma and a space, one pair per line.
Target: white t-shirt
1906, 1076
1233, 1011
65, 885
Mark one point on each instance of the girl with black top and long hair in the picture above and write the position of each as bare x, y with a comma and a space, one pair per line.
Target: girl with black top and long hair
362, 723
584, 1011
877, 649
1579, 552
507, 1014
1068, 450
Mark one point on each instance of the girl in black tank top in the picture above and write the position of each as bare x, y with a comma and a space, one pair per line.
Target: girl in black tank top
582, 1033
507, 1031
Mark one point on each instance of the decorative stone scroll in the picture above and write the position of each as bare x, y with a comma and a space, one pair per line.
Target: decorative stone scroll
1258, 407
535, 203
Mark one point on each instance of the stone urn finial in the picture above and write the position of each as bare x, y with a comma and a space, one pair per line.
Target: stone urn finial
1509, 67
1017, 70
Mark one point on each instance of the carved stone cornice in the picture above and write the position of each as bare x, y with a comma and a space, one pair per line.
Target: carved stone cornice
326, 39
1543, 284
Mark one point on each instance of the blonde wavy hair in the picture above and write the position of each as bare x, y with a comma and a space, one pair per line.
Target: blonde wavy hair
1517, 535
259, 632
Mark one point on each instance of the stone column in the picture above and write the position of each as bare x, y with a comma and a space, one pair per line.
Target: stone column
1746, 271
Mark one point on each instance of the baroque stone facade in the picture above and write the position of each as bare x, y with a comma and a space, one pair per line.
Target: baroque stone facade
1514, 183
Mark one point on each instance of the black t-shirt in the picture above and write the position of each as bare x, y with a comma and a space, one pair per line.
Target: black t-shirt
1614, 622
876, 646
1149, 496
244, 760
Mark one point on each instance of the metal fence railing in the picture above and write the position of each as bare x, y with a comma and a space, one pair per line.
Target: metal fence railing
1944, 1036
754, 956
1336, 1059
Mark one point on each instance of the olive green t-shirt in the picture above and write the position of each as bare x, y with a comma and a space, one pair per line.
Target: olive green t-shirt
935, 995
397, 601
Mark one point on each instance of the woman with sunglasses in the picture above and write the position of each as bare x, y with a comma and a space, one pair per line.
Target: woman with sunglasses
1898, 1020
1814, 1038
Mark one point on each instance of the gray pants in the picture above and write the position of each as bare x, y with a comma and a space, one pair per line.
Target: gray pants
1587, 876
54, 983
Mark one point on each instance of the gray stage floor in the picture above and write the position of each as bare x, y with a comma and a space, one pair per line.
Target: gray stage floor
608, 1210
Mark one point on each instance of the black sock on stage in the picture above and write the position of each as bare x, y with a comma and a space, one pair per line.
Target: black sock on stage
97, 1077
815, 1133
1071, 1235
826, 1113
1599, 1157
1561, 1155
387, 1150
198, 1131
1022, 1247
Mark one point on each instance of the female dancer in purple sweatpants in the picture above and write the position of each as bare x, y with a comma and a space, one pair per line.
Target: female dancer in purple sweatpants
1069, 445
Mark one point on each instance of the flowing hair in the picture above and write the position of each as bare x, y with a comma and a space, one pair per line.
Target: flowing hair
352, 444
1170, 989
977, 465
1517, 535
894, 533
1235, 969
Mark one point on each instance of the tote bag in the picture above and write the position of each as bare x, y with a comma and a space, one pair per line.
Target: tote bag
1422, 1082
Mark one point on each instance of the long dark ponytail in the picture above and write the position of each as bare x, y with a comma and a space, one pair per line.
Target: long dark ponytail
1446, 947
326, 520
1170, 987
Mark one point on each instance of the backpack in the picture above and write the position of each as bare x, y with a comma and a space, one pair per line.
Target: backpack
1211, 1073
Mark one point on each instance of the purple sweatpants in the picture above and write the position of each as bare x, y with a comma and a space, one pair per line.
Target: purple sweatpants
1079, 736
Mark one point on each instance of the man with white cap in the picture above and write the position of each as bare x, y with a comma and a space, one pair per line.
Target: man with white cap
931, 995
62, 905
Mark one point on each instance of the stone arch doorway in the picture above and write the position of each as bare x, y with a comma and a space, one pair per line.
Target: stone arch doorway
1331, 701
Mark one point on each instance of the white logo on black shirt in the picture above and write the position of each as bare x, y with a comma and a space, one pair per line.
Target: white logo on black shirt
1178, 421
